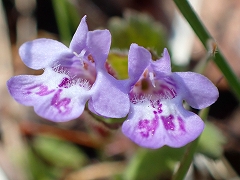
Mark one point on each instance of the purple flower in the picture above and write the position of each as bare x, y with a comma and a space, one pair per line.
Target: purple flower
157, 116
71, 77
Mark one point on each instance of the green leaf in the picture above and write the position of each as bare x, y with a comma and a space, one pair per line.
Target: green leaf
150, 164
59, 152
137, 28
211, 141
40, 170
119, 62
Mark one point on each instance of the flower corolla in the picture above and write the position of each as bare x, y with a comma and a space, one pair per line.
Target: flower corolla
157, 116
71, 77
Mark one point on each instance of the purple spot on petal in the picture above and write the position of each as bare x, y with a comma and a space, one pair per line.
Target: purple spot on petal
168, 122
160, 109
181, 123
156, 105
167, 92
147, 127
171, 82
31, 88
61, 104
42, 90
65, 83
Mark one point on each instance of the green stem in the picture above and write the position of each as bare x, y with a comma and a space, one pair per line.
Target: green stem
189, 153
205, 38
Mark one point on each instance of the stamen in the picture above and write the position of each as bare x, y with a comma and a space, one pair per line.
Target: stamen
151, 77
80, 56
82, 53
76, 54
145, 73
90, 58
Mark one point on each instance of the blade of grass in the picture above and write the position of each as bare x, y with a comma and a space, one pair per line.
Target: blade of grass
61, 15
204, 36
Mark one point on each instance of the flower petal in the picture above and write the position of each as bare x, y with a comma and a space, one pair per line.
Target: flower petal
196, 89
138, 59
168, 125
78, 42
162, 65
98, 43
49, 100
110, 98
41, 53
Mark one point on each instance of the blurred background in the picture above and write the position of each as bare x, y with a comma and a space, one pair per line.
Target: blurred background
32, 148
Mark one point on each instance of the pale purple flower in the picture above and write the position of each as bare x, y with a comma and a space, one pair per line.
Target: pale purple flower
71, 77
157, 116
